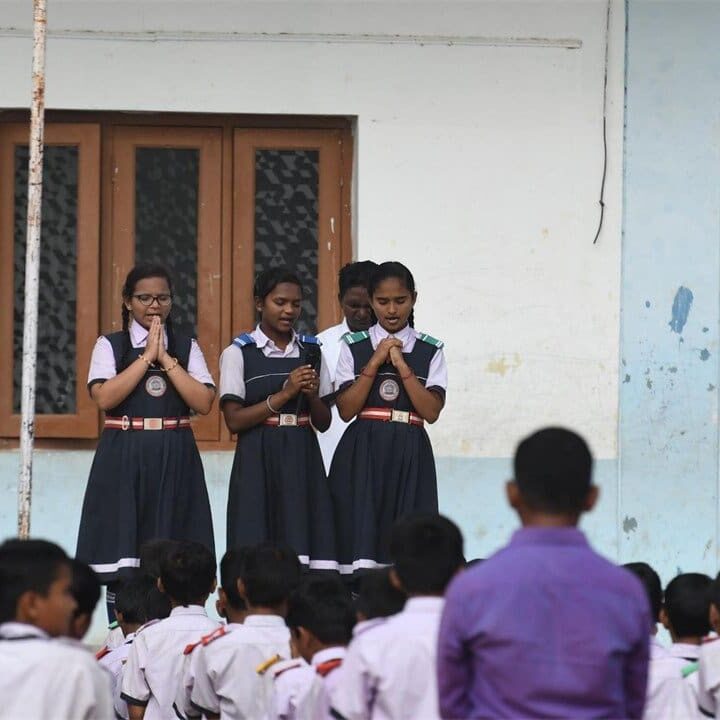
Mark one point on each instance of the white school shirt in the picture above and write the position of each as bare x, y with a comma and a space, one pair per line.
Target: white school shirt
232, 365
226, 676
331, 340
43, 678
154, 665
667, 691
291, 680
114, 662
389, 673
437, 373
709, 677
102, 360
315, 703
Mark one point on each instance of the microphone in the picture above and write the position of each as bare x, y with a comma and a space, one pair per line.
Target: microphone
311, 355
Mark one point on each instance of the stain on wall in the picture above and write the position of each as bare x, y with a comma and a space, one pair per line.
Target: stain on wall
680, 309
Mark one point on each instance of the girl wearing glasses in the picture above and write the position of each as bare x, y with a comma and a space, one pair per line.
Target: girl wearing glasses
147, 480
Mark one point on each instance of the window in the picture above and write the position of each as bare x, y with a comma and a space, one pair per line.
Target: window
212, 198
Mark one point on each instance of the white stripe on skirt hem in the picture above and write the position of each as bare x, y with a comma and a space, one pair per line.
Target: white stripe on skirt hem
112, 567
361, 564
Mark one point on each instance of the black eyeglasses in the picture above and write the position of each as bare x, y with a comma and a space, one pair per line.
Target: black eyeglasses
146, 299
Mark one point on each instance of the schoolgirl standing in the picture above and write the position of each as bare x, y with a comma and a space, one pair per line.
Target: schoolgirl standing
147, 480
393, 379
271, 384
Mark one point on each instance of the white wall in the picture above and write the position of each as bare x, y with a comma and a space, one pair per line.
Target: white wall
478, 164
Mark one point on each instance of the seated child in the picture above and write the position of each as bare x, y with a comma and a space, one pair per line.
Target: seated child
86, 591
40, 676
227, 672
153, 669
321, 619
545, 627
390, 672
709, 661
229, 603
377, 599
137, 601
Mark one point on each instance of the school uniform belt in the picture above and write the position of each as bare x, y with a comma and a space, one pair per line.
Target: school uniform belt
390, 415
288, 420
145, 423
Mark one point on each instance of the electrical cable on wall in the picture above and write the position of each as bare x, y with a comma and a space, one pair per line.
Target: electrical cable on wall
604, 124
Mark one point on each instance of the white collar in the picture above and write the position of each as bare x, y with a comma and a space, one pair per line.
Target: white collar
188, 610
264, 621
404, 335
139, 334
332, 653
16, 630
261, 339
424, 604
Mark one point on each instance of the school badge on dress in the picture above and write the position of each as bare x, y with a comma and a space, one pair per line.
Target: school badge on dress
156, 386
389, 390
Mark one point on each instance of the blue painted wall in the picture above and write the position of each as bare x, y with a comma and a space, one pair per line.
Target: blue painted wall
668, 488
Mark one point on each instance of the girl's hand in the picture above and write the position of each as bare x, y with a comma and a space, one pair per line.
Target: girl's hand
161, 349
299, 379
311, 386
150, 353
382, 351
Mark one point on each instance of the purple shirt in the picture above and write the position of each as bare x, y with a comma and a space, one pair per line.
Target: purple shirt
544, 628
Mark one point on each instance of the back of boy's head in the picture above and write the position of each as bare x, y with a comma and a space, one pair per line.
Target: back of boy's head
230, 573
139, 600
269, 574
187, 573
323, 606
377, 596
151, 554
651, 582
553, 471
687, 603
426, 550
27, 566
85, 588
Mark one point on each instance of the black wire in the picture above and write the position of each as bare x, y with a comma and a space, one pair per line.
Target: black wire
604, 131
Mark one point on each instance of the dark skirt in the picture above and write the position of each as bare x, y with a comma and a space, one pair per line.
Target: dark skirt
143, 485
279, 493
380, 472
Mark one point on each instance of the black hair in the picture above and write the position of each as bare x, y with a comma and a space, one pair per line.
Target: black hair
651, 582
138, 273
427, 550
27, 566
355, 274
553, 470
393, 269
687, 604
187, 572
230, 572
714, 592
151, 554
269, 573
85, 588
268, 280
323, 606
377, 596
139, 600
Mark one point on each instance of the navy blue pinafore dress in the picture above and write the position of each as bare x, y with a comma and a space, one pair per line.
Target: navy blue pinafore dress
381, 471
144, 484
278, 487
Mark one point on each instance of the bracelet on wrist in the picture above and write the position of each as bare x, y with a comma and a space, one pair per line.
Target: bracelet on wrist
145, 360
172, 367
405, 377
270, 407
367, 375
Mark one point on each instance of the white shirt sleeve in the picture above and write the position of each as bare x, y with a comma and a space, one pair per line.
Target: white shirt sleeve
197, 367
202, 693
102, 361
437, 373
134, 683
232, 373
326, 384
345, 369
351, 695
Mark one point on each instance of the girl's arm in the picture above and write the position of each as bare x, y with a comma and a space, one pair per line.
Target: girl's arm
239, 418
112, 392
352, 400
427, 403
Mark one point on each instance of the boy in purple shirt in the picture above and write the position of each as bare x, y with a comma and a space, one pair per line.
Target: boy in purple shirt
546, 627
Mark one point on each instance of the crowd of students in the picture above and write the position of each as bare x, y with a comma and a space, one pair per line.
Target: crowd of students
543, 628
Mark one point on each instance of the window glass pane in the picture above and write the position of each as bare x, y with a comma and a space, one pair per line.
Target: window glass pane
286, 220
56, 374
166, 221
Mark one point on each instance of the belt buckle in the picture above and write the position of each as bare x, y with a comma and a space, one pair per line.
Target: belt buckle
152, 423
288, 420
124, 422
402, 416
